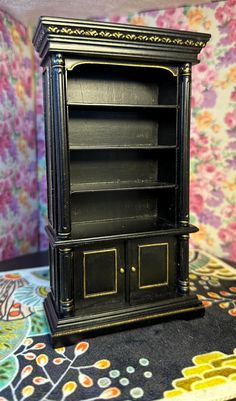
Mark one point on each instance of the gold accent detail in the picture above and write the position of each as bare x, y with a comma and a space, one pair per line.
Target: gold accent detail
185, 69
99, 294
58, 61
133, 269
184, 236
172, 70
119, 35
64, 235
167, 266
65, 250
183, 286
184, 221
174, 312
122, 270
67, 303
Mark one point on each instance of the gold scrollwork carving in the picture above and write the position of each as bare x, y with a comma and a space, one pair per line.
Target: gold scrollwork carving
96, 33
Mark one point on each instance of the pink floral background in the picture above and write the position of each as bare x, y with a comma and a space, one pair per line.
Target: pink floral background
213, 131
19, 216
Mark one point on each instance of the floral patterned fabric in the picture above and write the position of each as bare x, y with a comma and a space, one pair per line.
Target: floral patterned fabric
19, 219
213, 131
177, 360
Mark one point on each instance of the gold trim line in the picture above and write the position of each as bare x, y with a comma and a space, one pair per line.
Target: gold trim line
175, 312
173, 70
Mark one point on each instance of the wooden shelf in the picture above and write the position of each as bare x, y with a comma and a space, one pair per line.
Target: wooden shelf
119, 226
125, 148
121, 106
103, 187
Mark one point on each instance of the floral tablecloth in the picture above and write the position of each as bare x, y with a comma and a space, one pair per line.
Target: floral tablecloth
178, 359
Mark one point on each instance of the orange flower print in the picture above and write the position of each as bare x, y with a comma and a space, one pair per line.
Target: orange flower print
26, 371
102, 364
224, 305
12, 276
42, 360
204, 120
81, 347
27, 391
207, 25
30, 356
38, 380
195, 17
232, 312
85, 380
213, 295
68, 388
232, 75
110, 393
39, 346
207, 304
58, 361
137, 20
216, 128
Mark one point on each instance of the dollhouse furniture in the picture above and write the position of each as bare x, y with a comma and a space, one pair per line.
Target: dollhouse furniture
117, 117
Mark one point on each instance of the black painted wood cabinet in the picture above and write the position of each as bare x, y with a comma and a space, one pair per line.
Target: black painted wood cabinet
117, 116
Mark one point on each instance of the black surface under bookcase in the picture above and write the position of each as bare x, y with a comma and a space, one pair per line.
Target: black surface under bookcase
117, 116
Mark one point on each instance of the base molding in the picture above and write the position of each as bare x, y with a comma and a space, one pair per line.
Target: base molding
70, 330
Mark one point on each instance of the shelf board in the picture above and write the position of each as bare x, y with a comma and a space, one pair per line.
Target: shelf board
84, 237
119, 226
104, 187
146, 147
121, 106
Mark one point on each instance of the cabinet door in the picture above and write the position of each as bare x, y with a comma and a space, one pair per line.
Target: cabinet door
99, 278
152, 266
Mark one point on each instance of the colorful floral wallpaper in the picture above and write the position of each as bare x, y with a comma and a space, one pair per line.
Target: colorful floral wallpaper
213, 124
42, 184
213, 131
19, 218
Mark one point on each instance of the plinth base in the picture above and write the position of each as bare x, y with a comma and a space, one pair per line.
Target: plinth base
70, 330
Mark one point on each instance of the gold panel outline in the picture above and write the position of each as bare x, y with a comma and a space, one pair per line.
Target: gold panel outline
81, 62
139, 266
99, 294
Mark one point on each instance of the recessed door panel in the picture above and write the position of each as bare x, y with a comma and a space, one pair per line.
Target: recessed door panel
153, 265
99, 278
100, 272
152, 269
